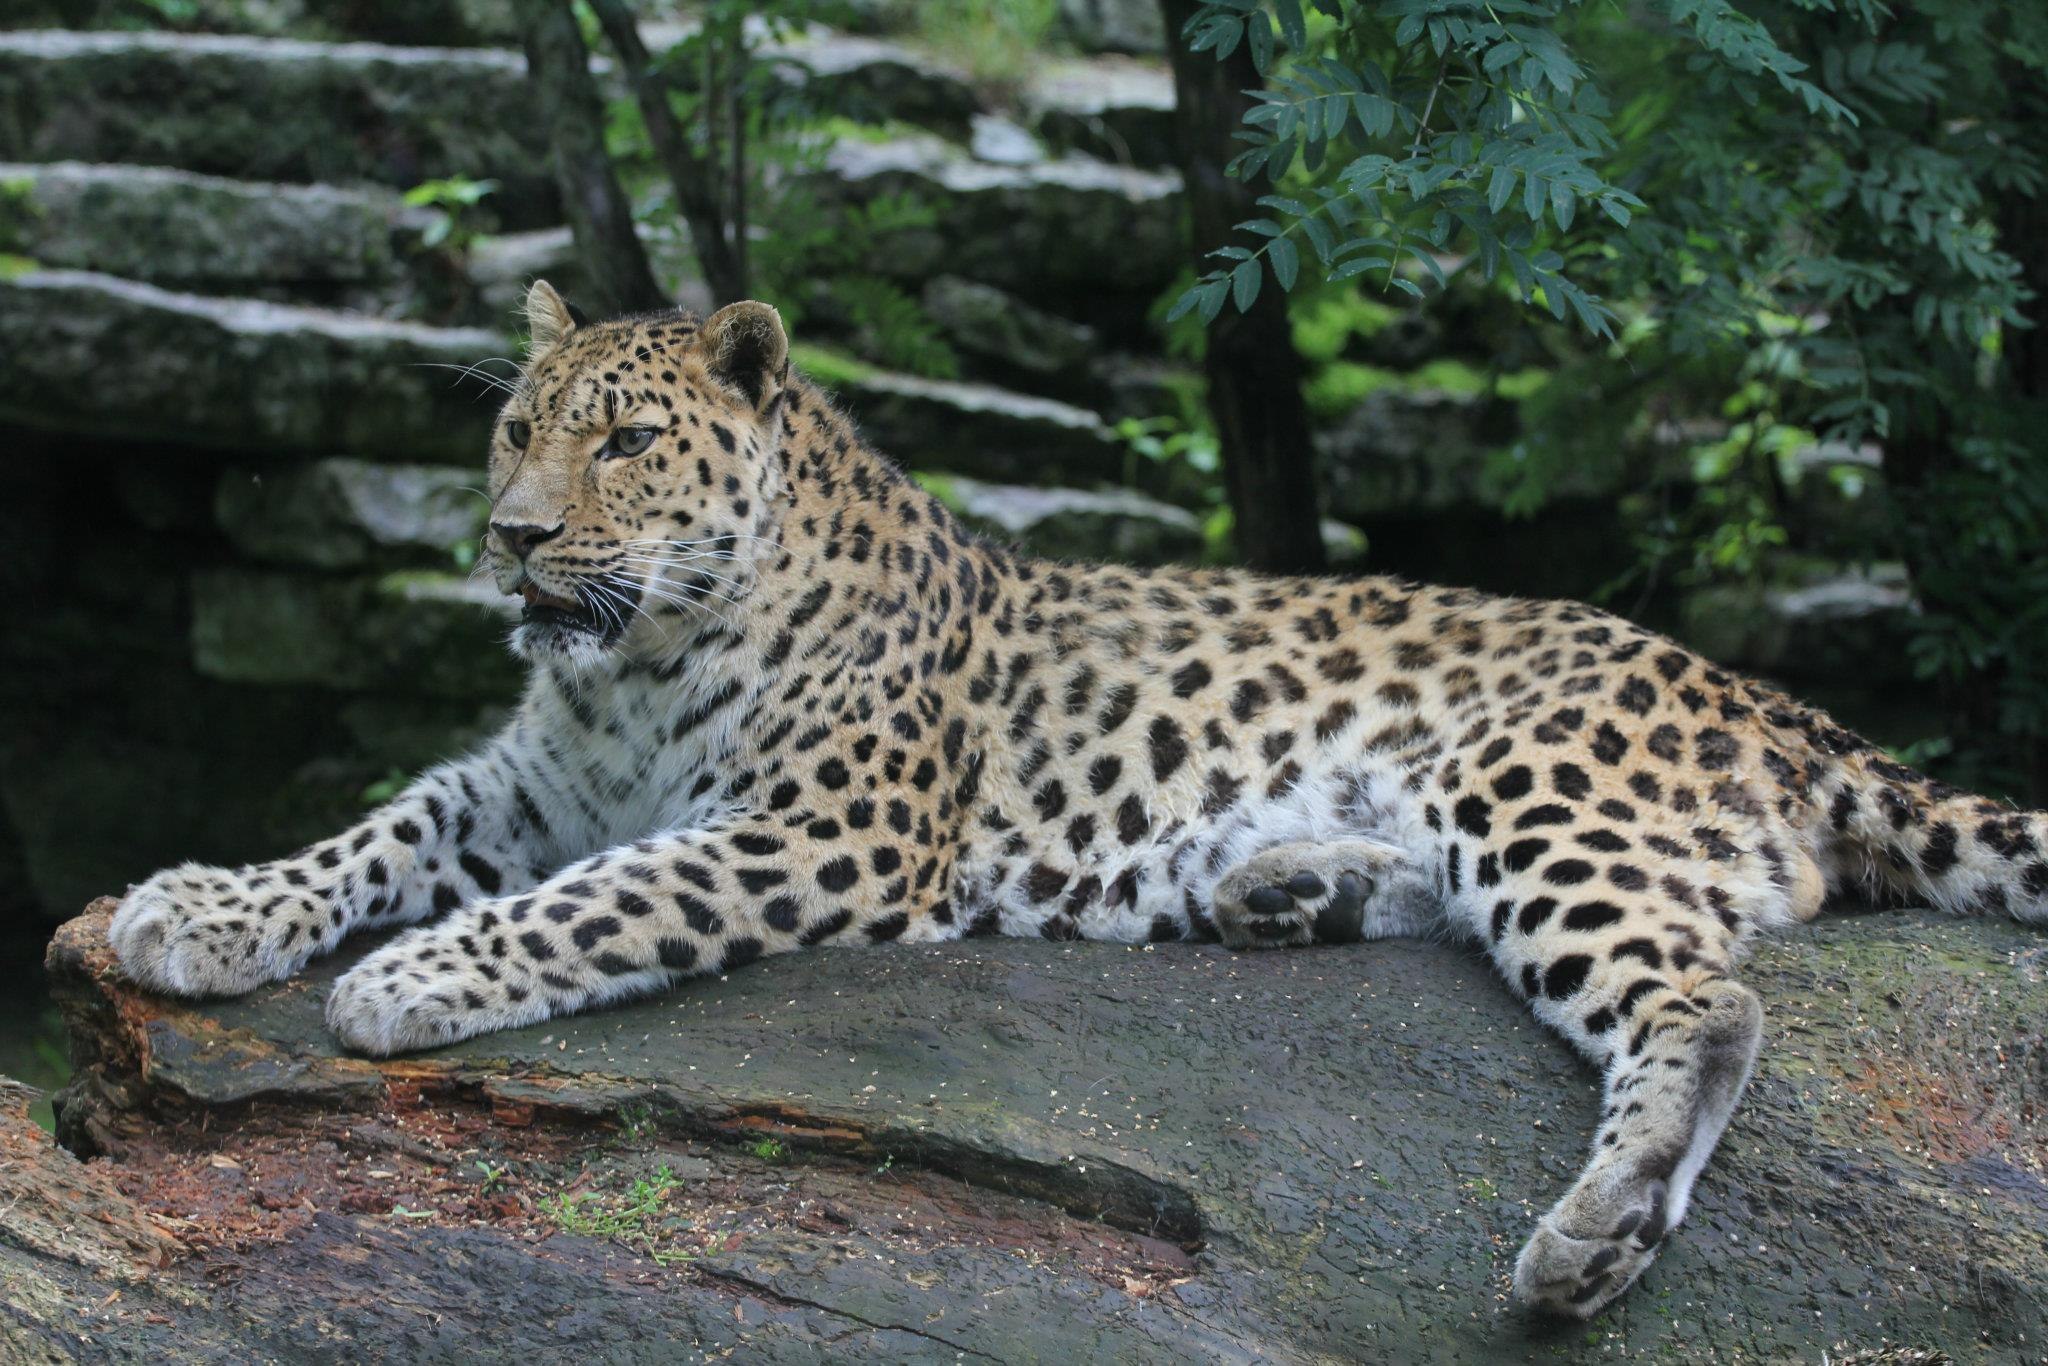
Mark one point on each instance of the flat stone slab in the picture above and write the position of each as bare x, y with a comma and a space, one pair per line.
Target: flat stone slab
1065, 226
1097, 1152
981, 430
268, 108
1118, 109
114, 357
184, 230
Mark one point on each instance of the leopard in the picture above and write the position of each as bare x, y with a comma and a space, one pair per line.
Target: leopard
780, 697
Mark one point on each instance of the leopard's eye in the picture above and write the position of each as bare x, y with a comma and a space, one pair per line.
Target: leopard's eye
629, 441
518, 433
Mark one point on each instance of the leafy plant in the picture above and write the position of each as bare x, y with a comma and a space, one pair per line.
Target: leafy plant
816, 262
718, 135
637, 1216
996, 40
457, 219
1804, 221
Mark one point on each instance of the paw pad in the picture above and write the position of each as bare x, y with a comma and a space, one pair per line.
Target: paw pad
1280, 912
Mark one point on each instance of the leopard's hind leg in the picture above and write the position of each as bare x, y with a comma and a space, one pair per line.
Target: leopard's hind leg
1627, 957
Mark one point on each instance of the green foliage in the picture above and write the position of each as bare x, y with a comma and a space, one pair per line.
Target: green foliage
997, 41
1762, 229
385, 788
637, 1216
1423, 127
18, 213
764, 137
816, 262
457, 219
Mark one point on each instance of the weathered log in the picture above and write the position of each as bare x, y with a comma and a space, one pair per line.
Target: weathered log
1030, 1152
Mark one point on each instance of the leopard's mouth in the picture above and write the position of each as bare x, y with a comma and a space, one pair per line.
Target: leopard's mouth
547, 609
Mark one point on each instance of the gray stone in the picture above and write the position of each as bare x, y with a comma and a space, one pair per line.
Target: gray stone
1071, 226
1001, 142
346, 514
458, 23
868, 79
426, 633
1313, 1155
1821, 621
876, 81
1118, 109
1008, 336
193, 231
501, 266
1419, 450
1114, 25
977, 429
1140, 386
93, 353
277, 109
1075, 524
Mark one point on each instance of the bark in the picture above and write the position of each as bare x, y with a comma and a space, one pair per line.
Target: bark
720, 253
567, 104
1253, 370
1019, 1151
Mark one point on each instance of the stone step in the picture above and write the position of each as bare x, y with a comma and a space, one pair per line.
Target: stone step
200, 232
352, 514
436, 634
96, 353
1117, 109
978, 430
438, 23
277, 109
1074, 524
1820, 621
1081, 233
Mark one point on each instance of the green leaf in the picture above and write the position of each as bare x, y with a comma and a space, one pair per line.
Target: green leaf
1500, 189
1563, 204
1244, 285
1259, 29
1357, 265
1292, 26
1319, 237
1285, 262
1283, 204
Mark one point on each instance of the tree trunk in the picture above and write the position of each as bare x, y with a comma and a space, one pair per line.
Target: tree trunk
567, 105
1253, 370
694, 178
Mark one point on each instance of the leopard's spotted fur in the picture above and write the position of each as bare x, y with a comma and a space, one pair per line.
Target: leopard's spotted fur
787, 701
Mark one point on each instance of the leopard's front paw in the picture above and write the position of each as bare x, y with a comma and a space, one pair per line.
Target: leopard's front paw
199, 931
423, 990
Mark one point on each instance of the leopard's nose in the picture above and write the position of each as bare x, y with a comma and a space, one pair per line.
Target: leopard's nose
519, 538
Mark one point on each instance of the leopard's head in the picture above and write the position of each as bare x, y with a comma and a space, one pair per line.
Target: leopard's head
634, 472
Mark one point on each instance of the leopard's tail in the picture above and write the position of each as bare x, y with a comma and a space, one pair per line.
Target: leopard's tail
1891, 829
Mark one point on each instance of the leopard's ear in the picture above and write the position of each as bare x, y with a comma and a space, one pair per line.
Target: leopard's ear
549, 317
745, 347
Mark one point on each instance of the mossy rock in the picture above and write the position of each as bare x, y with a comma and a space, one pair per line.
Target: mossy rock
278, 109
112, 357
